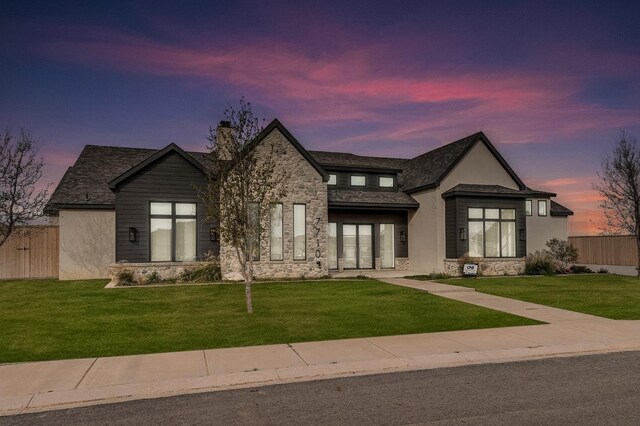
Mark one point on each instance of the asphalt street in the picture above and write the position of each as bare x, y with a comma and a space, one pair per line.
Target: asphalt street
595, 389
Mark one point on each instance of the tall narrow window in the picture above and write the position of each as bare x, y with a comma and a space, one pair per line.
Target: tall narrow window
542, 207
387, 249
253, 222
173, 232
299, 232
528, 207
276, 232
333, 246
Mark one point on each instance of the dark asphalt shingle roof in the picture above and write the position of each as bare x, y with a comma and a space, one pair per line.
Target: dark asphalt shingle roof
345, 159
558, 209
86, 183
348, 197
429, 168
463, 188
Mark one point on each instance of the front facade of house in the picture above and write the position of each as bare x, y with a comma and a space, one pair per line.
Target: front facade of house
342, 211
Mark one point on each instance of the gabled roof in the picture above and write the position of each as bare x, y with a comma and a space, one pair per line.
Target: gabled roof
429, 169
276, 124
152, 159
86, 183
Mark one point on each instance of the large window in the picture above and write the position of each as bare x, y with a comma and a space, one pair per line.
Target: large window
492, 232
173, 230
276, 232
299, 232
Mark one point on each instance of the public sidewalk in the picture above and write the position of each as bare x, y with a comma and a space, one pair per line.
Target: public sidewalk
37, 386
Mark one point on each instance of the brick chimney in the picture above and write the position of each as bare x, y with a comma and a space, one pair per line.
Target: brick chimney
224, 138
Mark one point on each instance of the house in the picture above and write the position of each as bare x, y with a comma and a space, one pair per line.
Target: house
342, 211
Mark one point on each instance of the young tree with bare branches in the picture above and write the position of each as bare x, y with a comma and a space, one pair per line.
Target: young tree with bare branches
243, 184
20, 170
619, 188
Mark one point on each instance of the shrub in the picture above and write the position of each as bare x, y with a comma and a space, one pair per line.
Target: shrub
580, 269
562, 252
125, 277
428, 277
208, 272
603, 271
539, 263
153, 278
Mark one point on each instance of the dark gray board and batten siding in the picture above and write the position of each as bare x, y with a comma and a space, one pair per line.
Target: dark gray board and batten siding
170, 179
456, 218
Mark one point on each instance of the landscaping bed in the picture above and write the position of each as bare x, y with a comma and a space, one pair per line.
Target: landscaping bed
50, 319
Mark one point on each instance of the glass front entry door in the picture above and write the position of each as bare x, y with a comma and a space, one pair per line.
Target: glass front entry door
357, 246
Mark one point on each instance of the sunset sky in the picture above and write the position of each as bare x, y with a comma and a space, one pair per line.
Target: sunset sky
552, 84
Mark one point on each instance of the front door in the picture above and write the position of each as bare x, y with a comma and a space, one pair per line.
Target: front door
357, 246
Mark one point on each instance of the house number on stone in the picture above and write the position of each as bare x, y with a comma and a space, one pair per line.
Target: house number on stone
316, 227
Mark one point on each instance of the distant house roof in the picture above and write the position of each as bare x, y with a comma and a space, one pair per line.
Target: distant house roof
363, 198
86, 183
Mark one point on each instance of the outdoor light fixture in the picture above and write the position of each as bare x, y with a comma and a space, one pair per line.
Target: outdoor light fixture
213, 234
403, 237
133, 234
463, 234
523, 235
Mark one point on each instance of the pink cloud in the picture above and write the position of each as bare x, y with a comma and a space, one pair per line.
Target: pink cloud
348, 86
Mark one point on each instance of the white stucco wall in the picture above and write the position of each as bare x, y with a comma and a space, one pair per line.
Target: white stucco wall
87, 243
541, 229
427, 224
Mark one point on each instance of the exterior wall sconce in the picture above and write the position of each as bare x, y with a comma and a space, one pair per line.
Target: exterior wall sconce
133, 234
463, 234
403, 237
213, 234
523, 235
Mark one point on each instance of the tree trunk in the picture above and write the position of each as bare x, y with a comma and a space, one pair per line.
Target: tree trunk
247, 284
638, 262
247, 294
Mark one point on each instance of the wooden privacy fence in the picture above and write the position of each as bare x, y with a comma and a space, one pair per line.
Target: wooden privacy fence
32, 252
607, 250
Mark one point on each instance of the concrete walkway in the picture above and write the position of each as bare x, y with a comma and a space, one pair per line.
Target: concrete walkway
37, 386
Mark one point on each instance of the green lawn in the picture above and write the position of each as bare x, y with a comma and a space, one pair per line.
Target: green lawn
47, 319
610, 296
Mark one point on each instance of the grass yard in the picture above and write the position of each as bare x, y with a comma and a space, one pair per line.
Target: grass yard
47, 319
610, 296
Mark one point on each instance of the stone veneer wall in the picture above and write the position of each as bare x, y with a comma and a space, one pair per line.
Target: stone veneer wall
305, 186
403, 264
488, 267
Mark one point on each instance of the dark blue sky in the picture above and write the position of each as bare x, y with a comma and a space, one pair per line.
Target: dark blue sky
551, 83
